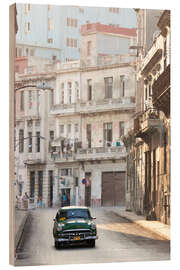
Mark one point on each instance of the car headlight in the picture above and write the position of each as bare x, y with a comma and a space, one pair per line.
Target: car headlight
59, 227
93, 226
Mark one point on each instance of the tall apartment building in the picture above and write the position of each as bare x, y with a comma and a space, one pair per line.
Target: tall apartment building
148, 144
54, 31
82, 154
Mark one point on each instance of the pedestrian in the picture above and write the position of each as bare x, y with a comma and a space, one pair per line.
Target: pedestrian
40, 201
64, 197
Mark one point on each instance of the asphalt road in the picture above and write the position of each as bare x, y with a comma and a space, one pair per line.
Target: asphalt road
119, 241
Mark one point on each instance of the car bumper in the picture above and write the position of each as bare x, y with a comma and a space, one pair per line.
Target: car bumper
81, 239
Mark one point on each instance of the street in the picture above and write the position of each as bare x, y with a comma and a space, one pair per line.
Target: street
119, 241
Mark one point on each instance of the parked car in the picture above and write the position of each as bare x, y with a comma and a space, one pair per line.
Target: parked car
74, 225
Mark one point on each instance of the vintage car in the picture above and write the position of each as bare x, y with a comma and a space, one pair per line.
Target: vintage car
74, 225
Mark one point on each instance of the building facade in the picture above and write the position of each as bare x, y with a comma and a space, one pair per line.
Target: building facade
149, 142
76, 135
54, 31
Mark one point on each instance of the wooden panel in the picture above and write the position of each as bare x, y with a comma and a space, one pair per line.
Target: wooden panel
113, 189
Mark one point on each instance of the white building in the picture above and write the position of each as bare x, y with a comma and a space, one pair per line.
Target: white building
93, 104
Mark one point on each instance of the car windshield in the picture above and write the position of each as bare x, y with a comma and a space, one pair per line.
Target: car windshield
73, 213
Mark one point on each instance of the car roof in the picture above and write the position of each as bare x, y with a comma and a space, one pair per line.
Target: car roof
73, 207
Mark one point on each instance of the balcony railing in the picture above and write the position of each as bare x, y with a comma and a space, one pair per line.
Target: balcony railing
146, 123
161, 84
95, 106
96, 153
101, 153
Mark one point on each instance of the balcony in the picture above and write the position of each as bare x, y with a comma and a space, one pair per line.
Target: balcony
161, 92
89, 154
146, 123
33, 159
59, 157
92, 106
101, 153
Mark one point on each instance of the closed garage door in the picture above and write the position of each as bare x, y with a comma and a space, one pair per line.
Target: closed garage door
113, 189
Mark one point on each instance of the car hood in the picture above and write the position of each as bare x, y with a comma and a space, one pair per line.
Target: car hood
77, 223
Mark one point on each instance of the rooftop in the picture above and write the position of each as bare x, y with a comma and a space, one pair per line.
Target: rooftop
97, 27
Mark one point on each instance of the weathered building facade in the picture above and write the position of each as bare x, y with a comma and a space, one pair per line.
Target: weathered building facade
149, 143
80, 125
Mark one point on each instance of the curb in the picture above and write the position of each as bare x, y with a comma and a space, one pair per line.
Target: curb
20, 230
138, 222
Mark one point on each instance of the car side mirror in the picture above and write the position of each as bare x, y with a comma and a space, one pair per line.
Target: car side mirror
53, 219
93, 217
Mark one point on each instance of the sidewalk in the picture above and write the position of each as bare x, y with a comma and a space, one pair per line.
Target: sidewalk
20, 220
157, 227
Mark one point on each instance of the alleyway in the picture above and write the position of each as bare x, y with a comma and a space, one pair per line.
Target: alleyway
119, 241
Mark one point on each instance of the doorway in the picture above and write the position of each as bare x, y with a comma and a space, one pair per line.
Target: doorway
65, 197
88, 189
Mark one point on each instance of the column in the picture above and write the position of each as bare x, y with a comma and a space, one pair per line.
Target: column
45, 187
55, 188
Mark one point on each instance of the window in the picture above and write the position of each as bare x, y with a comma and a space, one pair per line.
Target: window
121, 128
27, 51
77, 90
50, 24
81, 10
32, 52
38, 141
30, 142
76, 127
40, 184
88, 134
51, 96
122, 85
32, 184
21, 140
150, 90
107, 134
50, 40
69, 128
70, 92
71, 22
70, 42
27, 25
30, 99
114, 10
89, 48
22, 101
108, 87
146, 93
61, 129
51, 138
38, 101
66, 172
89, 82
62, 97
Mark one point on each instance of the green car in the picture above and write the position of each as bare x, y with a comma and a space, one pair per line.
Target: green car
72, 225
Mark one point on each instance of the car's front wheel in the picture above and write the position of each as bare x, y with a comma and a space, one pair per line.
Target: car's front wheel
56, 244
92, 243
